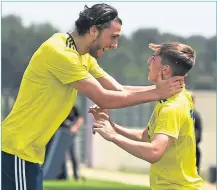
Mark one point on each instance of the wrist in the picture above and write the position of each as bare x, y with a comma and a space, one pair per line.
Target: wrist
114, 137
113, 125
156, 94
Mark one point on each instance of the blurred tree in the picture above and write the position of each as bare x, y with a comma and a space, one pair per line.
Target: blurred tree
18, 45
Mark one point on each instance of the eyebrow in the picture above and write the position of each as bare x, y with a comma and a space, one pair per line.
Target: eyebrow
116, 35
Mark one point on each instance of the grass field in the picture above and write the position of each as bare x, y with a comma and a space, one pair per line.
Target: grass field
90, 185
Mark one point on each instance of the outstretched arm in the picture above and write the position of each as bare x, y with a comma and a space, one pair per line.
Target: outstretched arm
150, 152
133, 134
119, 99
108, 82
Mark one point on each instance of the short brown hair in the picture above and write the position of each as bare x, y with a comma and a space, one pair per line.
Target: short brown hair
179, 56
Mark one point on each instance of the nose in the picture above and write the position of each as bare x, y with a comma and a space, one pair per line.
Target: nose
149, 62
114, 43
114, 46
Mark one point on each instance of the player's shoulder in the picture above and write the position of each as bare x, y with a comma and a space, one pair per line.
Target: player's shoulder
176, 103
60, 45
89, 58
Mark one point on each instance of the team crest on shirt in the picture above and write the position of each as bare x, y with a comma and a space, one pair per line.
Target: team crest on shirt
85, 67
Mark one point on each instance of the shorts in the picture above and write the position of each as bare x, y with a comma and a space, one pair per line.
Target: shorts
18, 174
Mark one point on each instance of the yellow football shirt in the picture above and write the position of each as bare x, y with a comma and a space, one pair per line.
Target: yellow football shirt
176, 170
46, 96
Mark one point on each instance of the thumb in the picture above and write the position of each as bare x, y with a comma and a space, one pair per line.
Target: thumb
104, 116
95, 114
160, 75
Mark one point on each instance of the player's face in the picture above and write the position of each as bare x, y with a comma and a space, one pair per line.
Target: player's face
107, 39
154, 68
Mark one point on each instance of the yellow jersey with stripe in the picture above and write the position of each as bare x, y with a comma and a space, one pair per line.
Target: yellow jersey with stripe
177, 169
46, 96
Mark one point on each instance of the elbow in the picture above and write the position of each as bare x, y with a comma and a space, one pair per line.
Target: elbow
100, 99
155, 157
154, 160
112, 100
102, 103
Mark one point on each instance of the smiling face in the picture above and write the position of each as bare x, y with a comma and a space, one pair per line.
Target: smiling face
106, 39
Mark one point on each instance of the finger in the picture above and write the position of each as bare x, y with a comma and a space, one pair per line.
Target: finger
97, 130
95, 114
91, 110
104, 116
98, 109
94, 109
95, 126
178, 86
100, 114
160, 75
177, 78
176, 91
101, 122
94, 131
182, 83
176, 83
94, 106
98, 124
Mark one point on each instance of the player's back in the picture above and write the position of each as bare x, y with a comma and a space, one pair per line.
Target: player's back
177, 167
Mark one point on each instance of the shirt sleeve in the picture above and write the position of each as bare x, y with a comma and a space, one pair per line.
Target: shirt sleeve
66, 66
95, 70
168, 122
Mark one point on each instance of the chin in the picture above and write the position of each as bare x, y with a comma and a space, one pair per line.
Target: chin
151, 80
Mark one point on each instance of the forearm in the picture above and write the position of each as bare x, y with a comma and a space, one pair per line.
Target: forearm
122, 99
110, 99
142, 150
134, 134
110, 83
139, 88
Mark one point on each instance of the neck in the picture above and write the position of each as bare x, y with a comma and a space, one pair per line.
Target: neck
82, 43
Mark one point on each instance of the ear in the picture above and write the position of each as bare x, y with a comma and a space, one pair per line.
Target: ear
166, 70
94, 32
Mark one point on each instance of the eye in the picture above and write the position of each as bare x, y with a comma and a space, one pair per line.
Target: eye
114, 37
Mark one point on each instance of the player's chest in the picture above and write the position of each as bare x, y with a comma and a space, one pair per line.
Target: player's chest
84, 61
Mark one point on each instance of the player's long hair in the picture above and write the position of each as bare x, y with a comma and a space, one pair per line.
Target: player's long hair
99, 15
